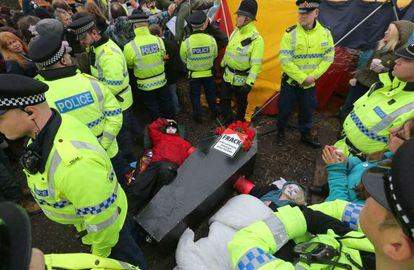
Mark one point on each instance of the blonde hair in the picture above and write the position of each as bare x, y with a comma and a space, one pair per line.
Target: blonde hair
5, 39
392, 43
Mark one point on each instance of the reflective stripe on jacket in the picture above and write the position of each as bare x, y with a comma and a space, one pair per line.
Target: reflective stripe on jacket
91, 103
110, 68
78, 261
198, 52
386, 105
306, 53
79, 187
145, 54
246, 59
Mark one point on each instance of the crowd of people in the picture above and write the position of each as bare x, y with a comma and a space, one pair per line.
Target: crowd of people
76, 74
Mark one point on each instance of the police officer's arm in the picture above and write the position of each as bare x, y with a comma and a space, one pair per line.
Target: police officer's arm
256, 59
129, 55
264, 238
113, 118
113, 71
163, 50
86, 183
183, 52
215, 48
286, 60
327, 59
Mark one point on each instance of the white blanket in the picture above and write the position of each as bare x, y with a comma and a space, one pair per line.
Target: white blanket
211, 252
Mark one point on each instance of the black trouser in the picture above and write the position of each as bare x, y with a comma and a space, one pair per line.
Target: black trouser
9, 185
227, 93
148, 183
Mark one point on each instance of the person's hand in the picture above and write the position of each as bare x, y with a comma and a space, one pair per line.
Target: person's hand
376, 65
352, 82
171, 9
331, 155
309, 80
245, 89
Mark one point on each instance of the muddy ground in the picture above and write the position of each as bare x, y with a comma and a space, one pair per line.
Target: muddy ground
294, 161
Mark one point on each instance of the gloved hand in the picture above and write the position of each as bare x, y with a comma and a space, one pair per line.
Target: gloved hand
245, 89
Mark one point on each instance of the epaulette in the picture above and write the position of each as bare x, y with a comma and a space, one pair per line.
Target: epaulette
108, 50
68, 153
289, 29
89, 76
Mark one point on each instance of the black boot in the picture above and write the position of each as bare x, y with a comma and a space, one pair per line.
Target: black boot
322, 191
280, 137
309, 140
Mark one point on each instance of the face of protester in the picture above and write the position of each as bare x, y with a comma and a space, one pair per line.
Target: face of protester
66, 19
306, 20
15, 46
170, 130
403, 69
15, 124
391, 33
398, 136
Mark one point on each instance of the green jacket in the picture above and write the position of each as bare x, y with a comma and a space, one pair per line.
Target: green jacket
145, 54
110, 68
84, 98
80, 261
79, 187
253, 247
198, 52
245, 59
306, 53
183, 12
388, 103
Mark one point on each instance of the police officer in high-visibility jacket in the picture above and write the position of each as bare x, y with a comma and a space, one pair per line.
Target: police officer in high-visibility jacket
79, 95
389, 103
306, 52
199, 52
145, 54
18, 254
68, 172
338, 241
108, 66
242, 61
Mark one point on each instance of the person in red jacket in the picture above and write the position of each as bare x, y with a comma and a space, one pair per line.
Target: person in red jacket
169, 151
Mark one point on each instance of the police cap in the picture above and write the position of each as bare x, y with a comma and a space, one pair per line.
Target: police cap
198, 18
393, 188
18, 91
248, 8
81, 25
306, 6
47, 50
138, 16
406, 52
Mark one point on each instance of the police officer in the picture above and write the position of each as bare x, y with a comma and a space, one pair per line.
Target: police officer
199, 52
145, 54
79, 95
18, 254
389, 103
306, 52
68, 172
108, 66
242, 61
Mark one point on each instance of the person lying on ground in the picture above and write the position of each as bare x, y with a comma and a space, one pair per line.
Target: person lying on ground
169, 150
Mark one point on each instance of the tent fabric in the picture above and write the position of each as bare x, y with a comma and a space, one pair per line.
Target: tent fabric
274, 16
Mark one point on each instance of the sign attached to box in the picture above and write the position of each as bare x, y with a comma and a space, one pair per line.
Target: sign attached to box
230, 142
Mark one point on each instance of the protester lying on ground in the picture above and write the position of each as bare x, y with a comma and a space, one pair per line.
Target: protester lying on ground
277, 194
382, 60
344, 174
169, 152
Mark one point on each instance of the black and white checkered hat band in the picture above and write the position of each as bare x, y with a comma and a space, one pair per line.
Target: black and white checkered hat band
21, 102
402, 216
137, 20
55, 58
84, 28
308, 5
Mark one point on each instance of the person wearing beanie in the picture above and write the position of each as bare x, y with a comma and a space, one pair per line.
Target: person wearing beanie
242, 62
145, 54
306, 52
198, 52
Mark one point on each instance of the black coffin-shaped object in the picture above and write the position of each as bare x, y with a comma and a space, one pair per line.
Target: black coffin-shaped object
202, 184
